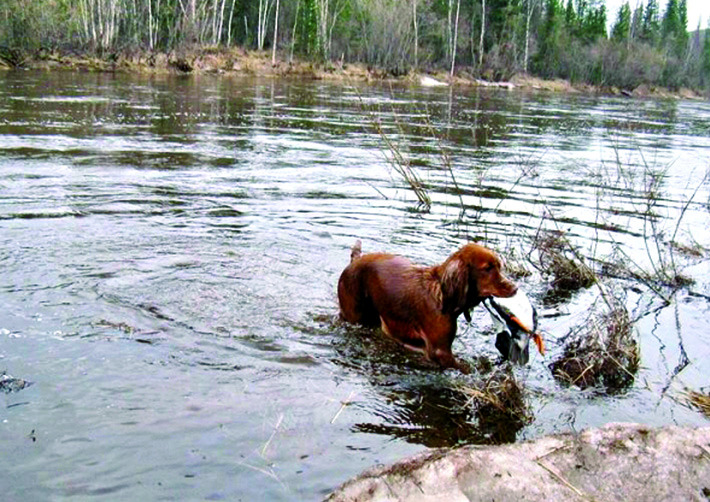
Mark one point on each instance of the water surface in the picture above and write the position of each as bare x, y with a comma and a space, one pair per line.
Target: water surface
170, 249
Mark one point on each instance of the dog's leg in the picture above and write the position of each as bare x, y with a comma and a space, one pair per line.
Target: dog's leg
445, 358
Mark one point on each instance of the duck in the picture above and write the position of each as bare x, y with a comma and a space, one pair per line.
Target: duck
515, 322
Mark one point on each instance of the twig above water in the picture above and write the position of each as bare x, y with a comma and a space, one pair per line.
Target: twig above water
273, 433
342, 406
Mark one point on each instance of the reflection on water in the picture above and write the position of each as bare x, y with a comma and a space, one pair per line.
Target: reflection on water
170, 249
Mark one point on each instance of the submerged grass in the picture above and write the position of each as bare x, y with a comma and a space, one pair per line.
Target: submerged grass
602, 351
402, 166
558, 258
698, 400
498, 399
396, 157
515, 264
662, 271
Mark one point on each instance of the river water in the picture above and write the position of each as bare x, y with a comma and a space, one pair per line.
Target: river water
170, 249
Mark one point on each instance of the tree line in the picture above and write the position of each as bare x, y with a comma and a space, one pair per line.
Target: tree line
490, 38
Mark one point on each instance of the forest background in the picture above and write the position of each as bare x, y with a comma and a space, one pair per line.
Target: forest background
645, 44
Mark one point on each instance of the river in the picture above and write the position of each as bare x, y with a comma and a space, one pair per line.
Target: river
170, 248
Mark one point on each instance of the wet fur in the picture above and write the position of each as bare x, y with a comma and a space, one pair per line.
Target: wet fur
418, 305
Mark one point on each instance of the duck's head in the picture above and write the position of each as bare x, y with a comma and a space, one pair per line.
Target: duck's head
515, 319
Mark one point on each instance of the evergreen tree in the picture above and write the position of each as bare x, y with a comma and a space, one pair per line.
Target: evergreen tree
682, 34
582, 6
504, 19
593, 23
547, 60
570, 17
651, 26
675, 33
683, 13
637, 22
622, 28
307, 36
671, 20
705, 64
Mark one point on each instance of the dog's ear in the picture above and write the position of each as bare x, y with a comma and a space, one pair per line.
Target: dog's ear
454, 286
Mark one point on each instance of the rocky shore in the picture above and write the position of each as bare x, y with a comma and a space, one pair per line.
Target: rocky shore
628, 462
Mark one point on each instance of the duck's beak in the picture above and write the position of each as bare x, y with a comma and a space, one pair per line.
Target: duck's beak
537, 337
520, 323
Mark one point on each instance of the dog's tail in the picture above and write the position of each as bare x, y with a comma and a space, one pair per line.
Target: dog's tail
356, 251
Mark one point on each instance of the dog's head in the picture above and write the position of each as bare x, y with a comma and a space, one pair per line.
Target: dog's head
471, 274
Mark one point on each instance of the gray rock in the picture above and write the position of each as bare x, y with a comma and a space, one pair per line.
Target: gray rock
619, 462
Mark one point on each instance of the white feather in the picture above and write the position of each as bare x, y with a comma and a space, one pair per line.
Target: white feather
519, 306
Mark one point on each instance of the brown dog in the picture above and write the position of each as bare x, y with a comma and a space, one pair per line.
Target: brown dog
416, 305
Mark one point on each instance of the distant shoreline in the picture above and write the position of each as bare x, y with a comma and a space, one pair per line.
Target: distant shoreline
238, 62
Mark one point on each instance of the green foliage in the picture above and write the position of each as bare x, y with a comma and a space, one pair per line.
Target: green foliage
622, 28
705, 58
671, 25
674, 27
27, 25
307, 34
503, 19
651, 26
551, 40
637, 22
671, 19
570, 15
593, 23
587, 22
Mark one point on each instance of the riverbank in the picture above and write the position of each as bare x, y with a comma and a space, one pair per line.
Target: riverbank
241, 62
617, 462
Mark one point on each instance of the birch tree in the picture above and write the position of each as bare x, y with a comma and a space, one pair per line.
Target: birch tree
483, 33
276, 34
323, 39
191, 21
449, 29
263, 15
100, 18
293, 33
416, 34
456, 36
328, 13
529, 11
229, 25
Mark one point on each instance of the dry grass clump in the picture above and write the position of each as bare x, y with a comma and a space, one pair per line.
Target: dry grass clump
515, 264
698, 400
603, 350
558, 258
498, 400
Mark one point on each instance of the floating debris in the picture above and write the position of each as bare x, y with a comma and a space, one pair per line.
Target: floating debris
120, 326
10, 384
427, 81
